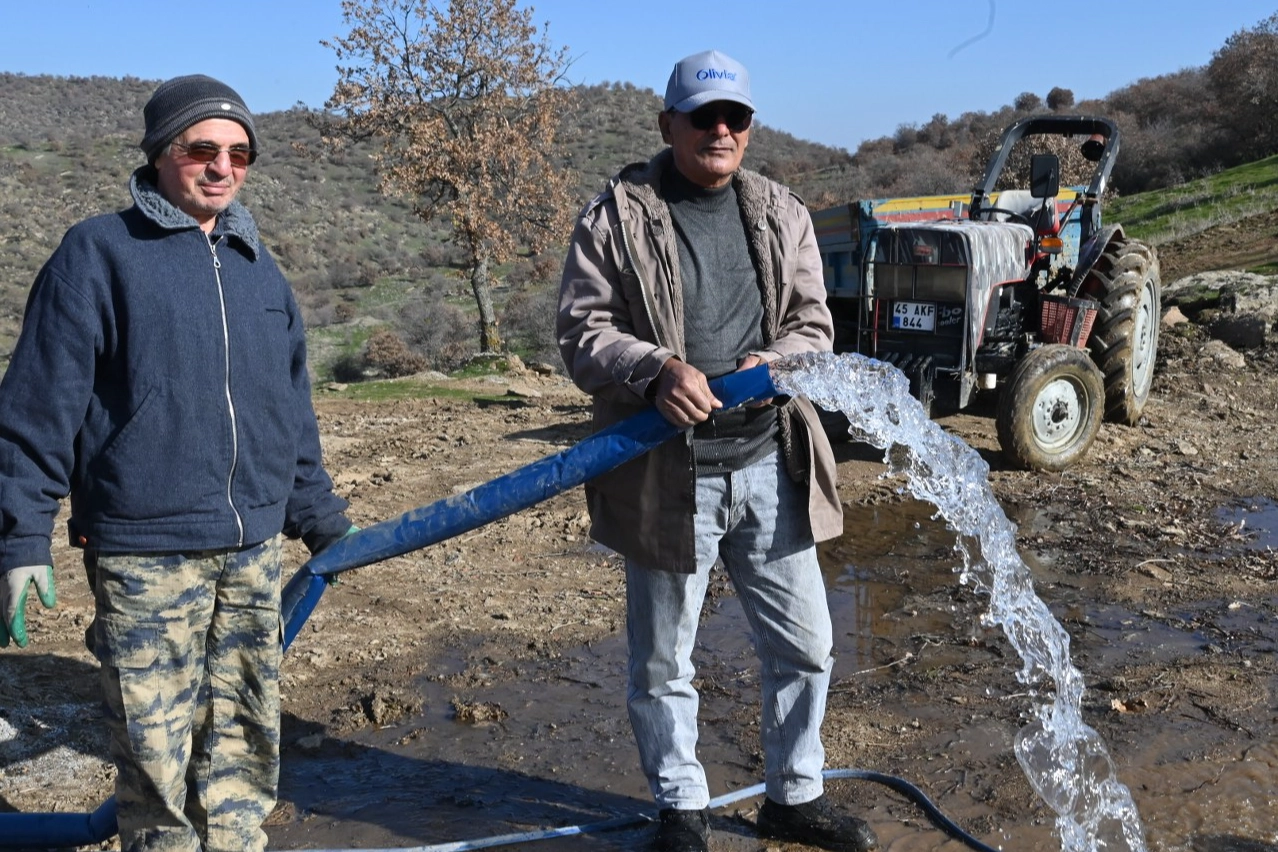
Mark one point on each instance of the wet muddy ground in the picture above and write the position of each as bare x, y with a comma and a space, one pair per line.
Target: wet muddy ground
476, 688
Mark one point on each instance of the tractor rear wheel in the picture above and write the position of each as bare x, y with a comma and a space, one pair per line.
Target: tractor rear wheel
1049, 409
1124, 339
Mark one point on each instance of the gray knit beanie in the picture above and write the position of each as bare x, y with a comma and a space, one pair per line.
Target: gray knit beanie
183, 101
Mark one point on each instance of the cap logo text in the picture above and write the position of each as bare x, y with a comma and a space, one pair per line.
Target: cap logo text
715, 74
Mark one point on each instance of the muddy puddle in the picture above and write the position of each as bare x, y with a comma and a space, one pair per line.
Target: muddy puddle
1256, 520
548, 743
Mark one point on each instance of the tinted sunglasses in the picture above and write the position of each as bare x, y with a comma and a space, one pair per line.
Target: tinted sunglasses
736, 116
206, 152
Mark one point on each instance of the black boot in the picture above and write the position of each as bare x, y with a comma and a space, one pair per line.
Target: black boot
815, 823
682, 831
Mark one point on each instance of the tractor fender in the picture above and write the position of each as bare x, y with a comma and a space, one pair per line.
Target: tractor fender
1091, 252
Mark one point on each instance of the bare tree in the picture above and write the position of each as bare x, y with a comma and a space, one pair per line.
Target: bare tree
465, 100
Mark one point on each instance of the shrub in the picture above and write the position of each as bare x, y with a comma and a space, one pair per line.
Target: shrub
1027, 102
528, 322
442, 333
389, 355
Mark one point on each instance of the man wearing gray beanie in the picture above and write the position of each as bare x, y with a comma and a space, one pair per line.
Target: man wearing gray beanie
183, 101
182, 429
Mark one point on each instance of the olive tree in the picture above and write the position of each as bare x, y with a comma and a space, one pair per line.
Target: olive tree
462, 101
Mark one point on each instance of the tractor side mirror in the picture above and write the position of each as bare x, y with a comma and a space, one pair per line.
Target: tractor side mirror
1045, 176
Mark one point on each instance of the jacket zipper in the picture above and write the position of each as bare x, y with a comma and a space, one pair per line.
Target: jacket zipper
230, 404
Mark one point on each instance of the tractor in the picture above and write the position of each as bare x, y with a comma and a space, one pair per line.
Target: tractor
1021, 291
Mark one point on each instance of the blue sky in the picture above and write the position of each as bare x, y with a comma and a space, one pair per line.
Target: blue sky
831, 71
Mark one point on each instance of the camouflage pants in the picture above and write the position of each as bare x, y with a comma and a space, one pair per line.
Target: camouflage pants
190, 646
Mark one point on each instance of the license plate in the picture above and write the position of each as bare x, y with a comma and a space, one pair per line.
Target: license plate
914, 316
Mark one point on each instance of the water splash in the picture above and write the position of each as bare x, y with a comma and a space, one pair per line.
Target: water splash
1064, 759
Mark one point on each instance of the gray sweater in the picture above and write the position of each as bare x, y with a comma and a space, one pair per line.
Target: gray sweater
723, 315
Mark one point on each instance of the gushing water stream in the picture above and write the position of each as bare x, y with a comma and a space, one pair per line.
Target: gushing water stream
1064, 759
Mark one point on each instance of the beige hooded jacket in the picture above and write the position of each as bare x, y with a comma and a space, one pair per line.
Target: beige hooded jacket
621, 317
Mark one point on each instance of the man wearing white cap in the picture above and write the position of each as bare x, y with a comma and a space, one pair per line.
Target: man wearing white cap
685, 268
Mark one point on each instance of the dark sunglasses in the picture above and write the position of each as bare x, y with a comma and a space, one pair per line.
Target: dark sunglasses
737, 117
206, 152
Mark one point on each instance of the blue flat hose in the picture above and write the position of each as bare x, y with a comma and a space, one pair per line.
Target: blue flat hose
419, 528
452, 516
505, 495
55, 830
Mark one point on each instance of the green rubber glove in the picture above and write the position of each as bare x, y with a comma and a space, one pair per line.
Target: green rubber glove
13, 600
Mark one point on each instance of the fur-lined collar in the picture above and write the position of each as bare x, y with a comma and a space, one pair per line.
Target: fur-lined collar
235, 220
754, 192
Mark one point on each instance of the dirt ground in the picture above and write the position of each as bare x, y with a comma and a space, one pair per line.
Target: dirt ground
1148, 553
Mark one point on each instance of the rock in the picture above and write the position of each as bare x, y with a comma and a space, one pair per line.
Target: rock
1228, 300
515, 365
523, 391
1223, 355
1240, 331
541, 368
1241, 292
1174, 317
383, 707
476, 712
311, 742
378, 709
486, 359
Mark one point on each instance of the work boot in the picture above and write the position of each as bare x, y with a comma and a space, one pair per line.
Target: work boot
815, 823
682, 831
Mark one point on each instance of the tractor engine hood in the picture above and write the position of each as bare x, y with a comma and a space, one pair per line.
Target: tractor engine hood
994, 253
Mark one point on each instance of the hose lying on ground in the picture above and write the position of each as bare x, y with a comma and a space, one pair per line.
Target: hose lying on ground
900, 785
602, 451
444, 519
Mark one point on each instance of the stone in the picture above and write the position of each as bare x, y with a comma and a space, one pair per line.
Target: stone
1223, 355
1240, 331
523, 391
541, 368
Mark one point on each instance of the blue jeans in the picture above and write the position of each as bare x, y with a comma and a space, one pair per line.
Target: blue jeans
756, 521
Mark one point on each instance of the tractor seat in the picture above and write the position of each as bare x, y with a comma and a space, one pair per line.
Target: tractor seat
1041, 212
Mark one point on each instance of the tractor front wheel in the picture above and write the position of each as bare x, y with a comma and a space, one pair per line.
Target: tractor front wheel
1049, 410
1124, 339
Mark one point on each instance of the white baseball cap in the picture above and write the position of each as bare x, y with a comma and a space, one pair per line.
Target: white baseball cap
706, 77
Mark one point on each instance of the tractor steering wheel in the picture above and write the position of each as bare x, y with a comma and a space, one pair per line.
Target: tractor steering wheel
987, 214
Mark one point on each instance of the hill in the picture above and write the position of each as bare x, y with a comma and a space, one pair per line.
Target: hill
68, 145
358, 260
1156, 552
